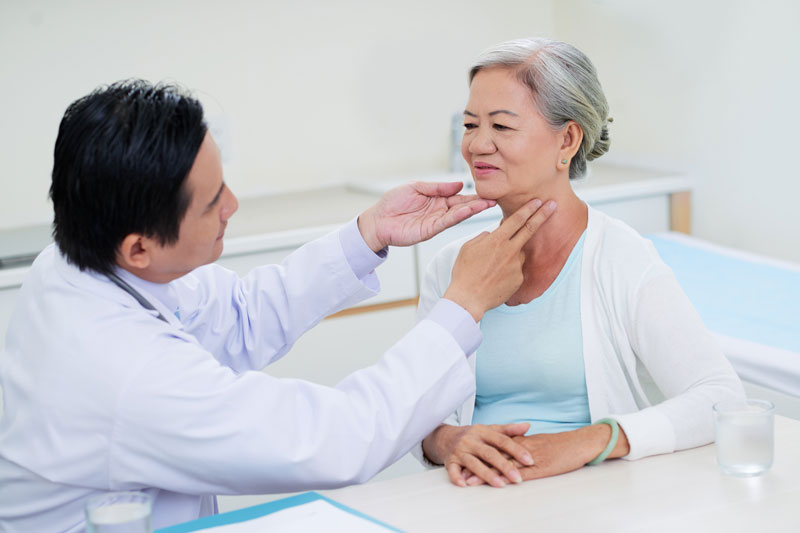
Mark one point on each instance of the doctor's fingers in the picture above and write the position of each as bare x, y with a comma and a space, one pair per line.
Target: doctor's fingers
520, 226
437, 188
460, 211
459, 199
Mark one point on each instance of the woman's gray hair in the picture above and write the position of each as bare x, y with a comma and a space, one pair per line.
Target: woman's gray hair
564, 85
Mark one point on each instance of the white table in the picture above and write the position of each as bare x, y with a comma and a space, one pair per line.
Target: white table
683, 491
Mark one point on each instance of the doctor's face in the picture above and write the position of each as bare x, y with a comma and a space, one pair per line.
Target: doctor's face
203, 226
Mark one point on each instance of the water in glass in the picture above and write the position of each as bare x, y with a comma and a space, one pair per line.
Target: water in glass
745, 437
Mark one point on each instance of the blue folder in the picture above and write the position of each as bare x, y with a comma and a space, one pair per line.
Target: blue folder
257, 511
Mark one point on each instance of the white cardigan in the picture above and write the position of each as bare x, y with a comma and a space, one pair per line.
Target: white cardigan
642, 342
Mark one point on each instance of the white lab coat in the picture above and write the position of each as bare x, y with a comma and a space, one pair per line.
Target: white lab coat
100, 395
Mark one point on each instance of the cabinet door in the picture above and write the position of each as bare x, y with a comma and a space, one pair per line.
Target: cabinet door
338, 346
648, 214
397, 273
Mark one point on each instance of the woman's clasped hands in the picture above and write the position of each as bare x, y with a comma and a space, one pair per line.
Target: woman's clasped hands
476, 454
502, 454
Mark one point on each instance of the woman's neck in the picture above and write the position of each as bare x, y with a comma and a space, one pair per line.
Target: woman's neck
549, 248
564, 227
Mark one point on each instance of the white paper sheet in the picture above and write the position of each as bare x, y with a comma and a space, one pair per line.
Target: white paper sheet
318, 515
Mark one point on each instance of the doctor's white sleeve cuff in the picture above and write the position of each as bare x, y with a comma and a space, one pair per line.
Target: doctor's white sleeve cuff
458, 322
360, 257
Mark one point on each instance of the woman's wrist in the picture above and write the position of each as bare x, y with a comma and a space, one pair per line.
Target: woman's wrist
598, 436
432, 444
622, 448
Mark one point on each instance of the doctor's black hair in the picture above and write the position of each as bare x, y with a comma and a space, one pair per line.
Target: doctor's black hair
121, 159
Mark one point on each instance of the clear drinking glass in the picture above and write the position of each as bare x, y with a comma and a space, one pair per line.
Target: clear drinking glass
119, 512
745, 436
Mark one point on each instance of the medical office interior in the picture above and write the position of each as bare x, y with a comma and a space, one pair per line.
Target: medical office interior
319, 106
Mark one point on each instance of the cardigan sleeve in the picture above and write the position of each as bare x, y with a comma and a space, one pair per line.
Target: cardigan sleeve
685, 363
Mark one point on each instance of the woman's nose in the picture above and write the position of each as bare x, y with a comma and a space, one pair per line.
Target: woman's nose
482, 142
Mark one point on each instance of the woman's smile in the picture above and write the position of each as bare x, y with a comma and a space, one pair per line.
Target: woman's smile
483, 169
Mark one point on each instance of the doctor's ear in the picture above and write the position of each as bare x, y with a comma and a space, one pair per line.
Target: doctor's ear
134, 252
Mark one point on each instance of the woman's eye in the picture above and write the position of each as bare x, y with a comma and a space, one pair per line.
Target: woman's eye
500, 127
470, 126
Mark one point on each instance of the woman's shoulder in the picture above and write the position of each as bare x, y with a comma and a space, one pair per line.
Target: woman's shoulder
613, 242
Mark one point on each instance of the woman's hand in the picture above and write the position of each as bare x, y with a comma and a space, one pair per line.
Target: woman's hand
415, 212
558, 453
478, 451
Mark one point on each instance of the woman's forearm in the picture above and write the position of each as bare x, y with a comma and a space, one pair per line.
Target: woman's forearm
432, 444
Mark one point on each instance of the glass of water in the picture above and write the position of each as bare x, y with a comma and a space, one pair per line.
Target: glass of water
119, 512
745, 436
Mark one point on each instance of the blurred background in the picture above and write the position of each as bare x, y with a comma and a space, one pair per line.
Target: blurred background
311, 92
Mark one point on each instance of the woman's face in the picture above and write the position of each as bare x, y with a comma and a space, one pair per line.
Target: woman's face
510, 148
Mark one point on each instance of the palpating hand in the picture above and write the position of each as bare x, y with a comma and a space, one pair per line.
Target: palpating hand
415, 212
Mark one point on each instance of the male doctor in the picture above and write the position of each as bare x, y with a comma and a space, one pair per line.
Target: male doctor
129, 365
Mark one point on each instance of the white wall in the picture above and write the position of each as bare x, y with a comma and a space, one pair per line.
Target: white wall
710, 86
319, 91
315, 90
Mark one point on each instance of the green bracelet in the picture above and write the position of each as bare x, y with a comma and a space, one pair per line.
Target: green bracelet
611, 443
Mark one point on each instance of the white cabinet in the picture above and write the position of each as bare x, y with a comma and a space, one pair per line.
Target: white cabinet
397, 274
650, 214
338, 346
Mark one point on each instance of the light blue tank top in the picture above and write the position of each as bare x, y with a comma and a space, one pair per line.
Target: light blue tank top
529, 367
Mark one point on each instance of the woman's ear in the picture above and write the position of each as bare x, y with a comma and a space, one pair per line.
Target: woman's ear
571, 138
134, 252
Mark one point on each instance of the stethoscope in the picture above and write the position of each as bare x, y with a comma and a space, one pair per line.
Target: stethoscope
122, 284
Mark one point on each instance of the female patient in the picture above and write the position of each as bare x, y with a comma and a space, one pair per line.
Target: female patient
599, 354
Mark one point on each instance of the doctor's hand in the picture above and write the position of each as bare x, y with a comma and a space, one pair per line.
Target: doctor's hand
479, 454
415, 212
488, 269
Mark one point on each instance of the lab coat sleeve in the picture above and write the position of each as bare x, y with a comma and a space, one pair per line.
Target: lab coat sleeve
250, 322
187, 424
684, 361
437, 279
435, 282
